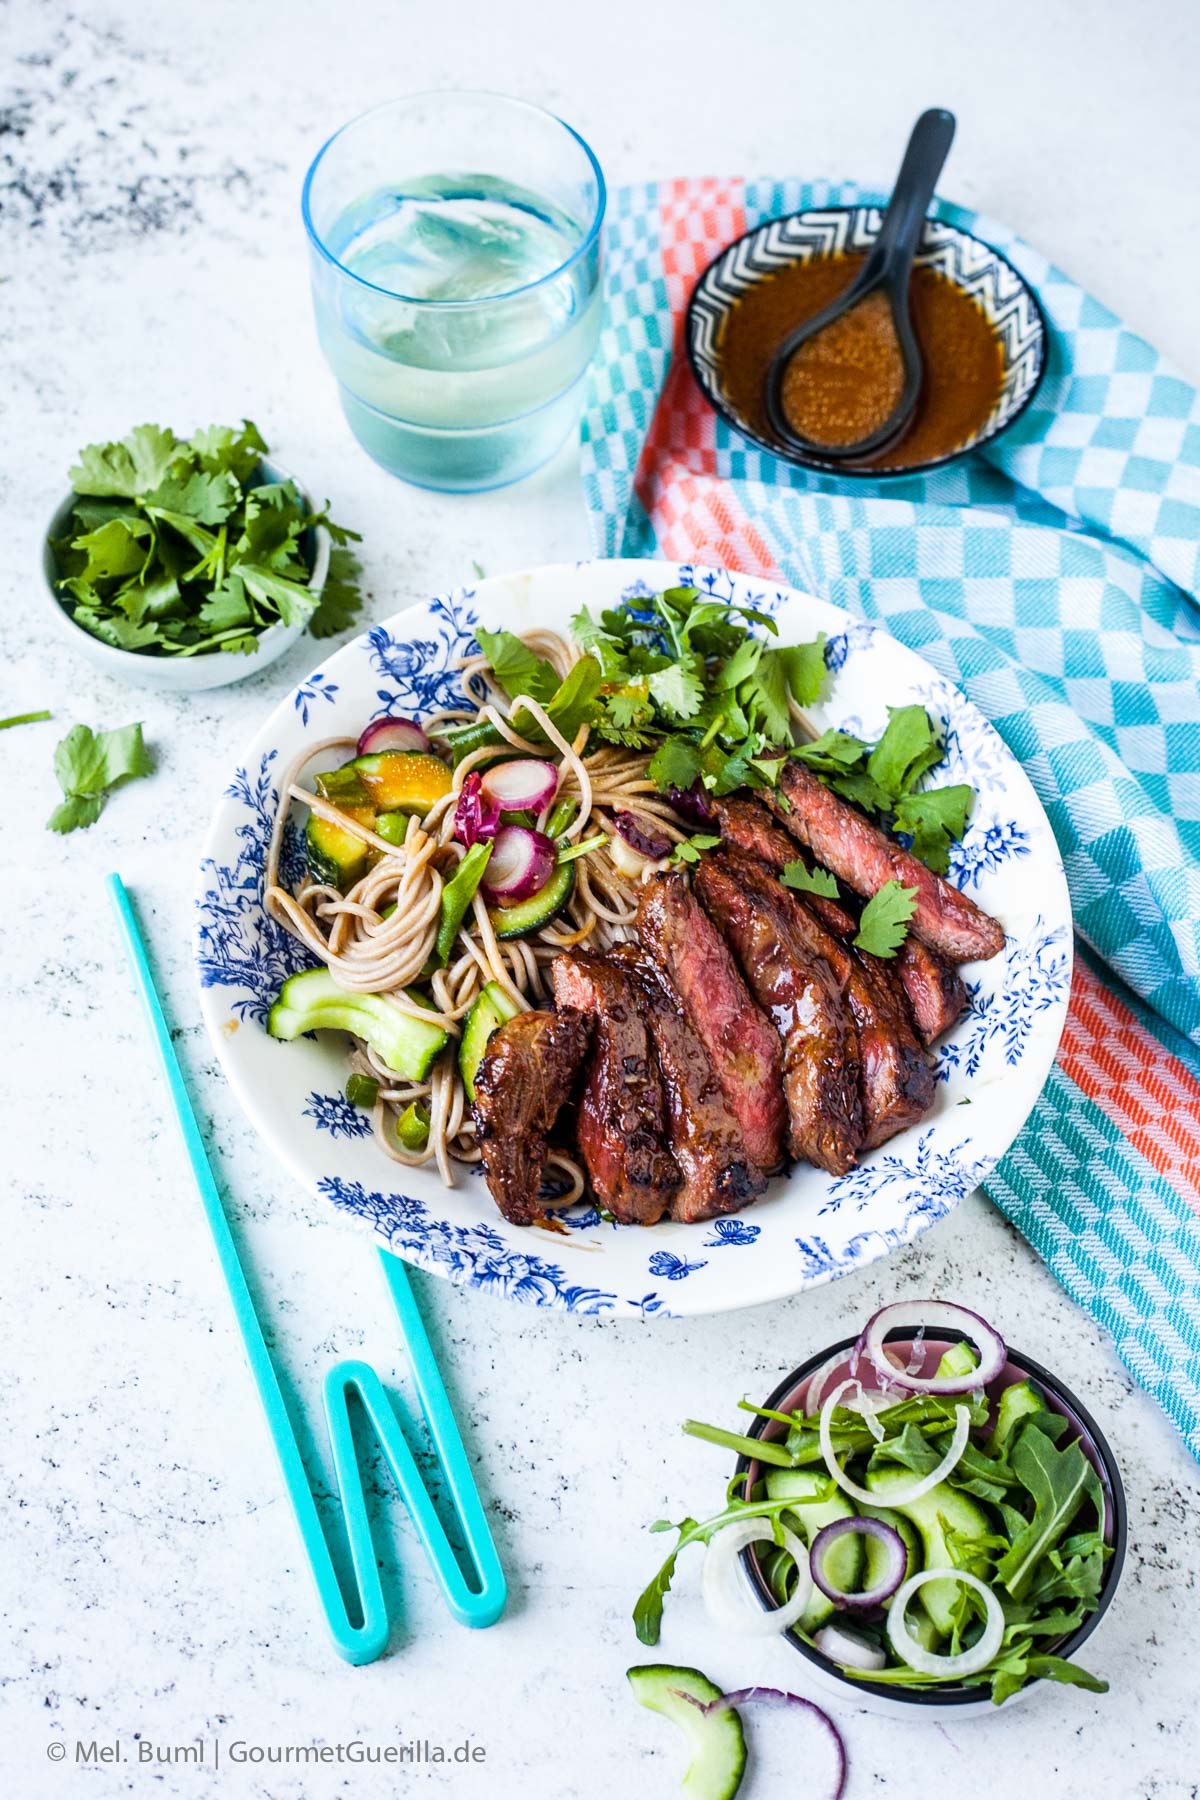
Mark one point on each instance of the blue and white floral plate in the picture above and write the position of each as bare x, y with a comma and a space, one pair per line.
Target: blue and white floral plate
809, 1227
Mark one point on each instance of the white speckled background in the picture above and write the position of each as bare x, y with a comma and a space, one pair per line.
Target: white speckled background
153, 267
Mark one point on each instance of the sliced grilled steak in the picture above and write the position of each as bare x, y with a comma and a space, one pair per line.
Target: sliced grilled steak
803, 997
933, 987
741, 1042
526, 1075
865, 858
621, 1120
718, 1174
748, 826
896, 1080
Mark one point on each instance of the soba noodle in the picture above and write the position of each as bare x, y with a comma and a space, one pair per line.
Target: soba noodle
369, 953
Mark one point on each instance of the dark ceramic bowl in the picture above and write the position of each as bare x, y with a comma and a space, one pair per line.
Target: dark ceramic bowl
957, 1700
1007, 300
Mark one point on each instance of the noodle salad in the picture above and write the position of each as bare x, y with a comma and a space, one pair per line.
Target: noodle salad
450, 862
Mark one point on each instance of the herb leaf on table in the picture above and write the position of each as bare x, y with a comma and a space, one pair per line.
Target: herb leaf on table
89, 765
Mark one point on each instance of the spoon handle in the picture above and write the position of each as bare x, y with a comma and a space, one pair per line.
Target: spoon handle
924, 159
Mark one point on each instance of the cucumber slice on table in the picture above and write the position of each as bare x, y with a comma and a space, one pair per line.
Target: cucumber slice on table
528, 916
492, 1006
716, 1740
845, 1564
313, 1001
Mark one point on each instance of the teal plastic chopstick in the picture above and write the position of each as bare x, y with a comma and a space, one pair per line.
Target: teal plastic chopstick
363, 1641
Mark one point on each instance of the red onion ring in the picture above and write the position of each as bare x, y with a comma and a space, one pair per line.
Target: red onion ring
914, 1315
476, 817
765, 1696
867, 1527
642, 837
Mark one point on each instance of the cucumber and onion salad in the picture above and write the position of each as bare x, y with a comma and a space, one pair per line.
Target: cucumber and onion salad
915, 1531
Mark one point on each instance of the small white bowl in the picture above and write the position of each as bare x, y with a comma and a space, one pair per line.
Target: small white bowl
181, 674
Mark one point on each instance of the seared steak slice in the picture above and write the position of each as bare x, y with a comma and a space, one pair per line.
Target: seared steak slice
803, 997
933, 987
526, 1074
896, 1080
747, 825
865, 858
620, 1122
742, 1045
706, 1142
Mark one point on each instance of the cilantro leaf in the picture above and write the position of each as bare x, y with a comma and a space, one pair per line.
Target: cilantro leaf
688, 851
678, 690
129, 468
516, 667
219, 449
209, 499
111, 550
909, 746
676, 763
935, 819
883, 926
804, 669
341, 598
89, 765
809, 881
835, 752
292, 600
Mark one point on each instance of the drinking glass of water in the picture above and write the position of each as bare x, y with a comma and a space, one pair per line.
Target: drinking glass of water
455, 248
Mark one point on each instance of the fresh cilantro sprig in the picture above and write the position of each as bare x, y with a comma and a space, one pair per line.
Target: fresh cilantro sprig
809, 881
89, 765
180, 547
883, 926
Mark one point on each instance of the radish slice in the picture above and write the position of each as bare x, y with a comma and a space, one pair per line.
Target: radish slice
525, 785
905, 1496
392, 734
847, 1648
922, 1315
642, 837
719, 1562
522, 861
475, 818
949, 1668
893, 1575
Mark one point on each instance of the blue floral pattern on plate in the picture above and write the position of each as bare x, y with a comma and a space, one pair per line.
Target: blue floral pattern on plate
808, 1228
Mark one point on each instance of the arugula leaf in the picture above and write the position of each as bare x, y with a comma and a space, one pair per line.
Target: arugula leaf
935, 819
648, 1608
572, 706
516, 667
834, 752
804, 669
1061, 1482
809, 881
89, 765
883, 925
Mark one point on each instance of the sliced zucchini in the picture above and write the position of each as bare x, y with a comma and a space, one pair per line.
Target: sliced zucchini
313, 1001
335, 856
491, 1008
845, 1564
393, 826
716, 1741
404, 780
528, 916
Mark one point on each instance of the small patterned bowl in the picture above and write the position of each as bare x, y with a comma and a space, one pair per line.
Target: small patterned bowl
1008, 302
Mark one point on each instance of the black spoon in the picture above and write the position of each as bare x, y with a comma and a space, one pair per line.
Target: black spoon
888, 267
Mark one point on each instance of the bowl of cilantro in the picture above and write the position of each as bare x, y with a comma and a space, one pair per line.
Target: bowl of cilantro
188, 563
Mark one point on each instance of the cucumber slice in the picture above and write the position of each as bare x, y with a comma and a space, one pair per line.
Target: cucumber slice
313, 1001
716, 1740
941, 1506
491, 1008
335, 856
528, 916
845, 1563
877, 1557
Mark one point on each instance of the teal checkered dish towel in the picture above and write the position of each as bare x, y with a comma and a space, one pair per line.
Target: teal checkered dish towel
1055, 577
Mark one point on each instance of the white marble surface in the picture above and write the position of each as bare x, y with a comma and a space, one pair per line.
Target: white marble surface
150, 163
